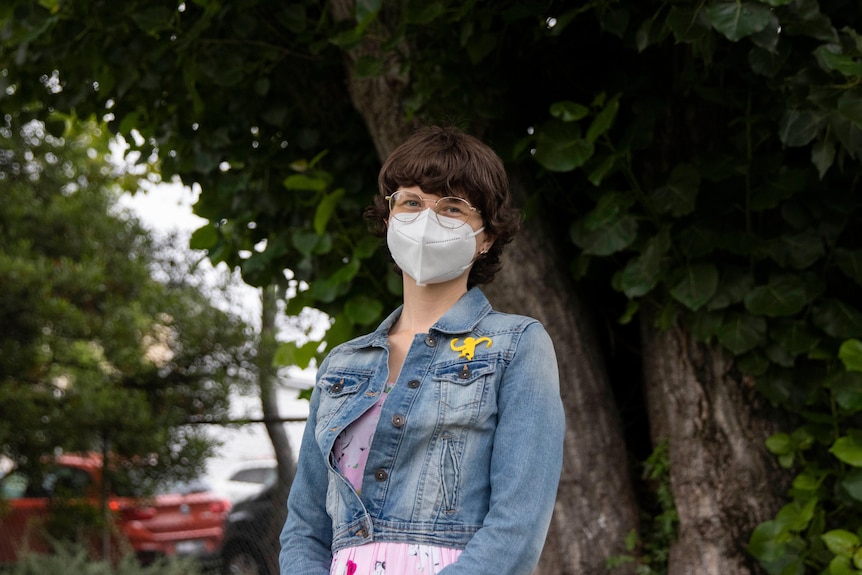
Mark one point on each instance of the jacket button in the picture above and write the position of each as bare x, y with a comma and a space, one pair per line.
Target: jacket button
413, 383
337, 387
381, 475
397, 420
430, 340
362, 533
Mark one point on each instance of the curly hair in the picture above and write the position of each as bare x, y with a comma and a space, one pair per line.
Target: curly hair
448, 162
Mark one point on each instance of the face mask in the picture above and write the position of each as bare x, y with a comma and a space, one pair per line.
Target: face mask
429, 252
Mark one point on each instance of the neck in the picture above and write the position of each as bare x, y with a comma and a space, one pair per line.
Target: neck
424, 305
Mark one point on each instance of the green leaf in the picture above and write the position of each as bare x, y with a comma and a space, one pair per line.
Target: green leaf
363, 310
568, 111
643, 272
619, 233
604, 119
736, 20
795, 337
325, 209
840, 542
846, 387
795, 516
204, 237
366, 10
305, 182
678, 195
850, 262
742, 332
560, 147
847, 450
837, 319
798, 251
698, 284
850, 106
830, 58
852, 484
782, 296
799, 127
841, 566
779, 444
850, 354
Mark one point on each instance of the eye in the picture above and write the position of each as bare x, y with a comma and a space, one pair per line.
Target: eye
453, 207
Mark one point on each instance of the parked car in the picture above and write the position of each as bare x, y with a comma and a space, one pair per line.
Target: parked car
246, 479
251, 537
183, 519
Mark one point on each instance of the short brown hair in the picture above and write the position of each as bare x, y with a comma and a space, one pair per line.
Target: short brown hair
449, 162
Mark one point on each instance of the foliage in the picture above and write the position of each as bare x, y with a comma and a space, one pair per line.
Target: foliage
702, 157
76, 559
94, 353
651, 552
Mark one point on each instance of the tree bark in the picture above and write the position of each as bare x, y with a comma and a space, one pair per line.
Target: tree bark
723, 479
268, 381
596, 506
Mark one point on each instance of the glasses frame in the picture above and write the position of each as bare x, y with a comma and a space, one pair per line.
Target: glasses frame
436, 202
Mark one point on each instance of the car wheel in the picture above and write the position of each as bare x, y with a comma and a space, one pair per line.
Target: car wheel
243, 562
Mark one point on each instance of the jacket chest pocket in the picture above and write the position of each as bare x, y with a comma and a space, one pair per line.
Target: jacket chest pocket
463, 386
335, 389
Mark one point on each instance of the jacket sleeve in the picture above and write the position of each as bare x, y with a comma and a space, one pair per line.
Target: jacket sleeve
306, 537
525, 464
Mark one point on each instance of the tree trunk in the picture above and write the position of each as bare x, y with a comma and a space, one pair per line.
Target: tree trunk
596, 506
723, 479
268, 381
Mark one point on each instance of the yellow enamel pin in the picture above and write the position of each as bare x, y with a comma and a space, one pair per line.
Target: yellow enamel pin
468, 348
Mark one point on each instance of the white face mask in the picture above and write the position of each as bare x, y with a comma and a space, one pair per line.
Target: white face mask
429, 252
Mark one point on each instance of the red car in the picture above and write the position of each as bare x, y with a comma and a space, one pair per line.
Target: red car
187, 520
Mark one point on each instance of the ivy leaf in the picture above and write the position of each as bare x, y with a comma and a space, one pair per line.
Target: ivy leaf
678, 195
698, 284
847, 389
363, 310
741, 333
620, 232
305, 182
784, 295
847, 450
798, 251
204, 237
837, 319
733, 284
850, 106
840, 542
850, 353
568, 111
560, 147
604, 119
823, 156
325, 209
830, 58
643, 272
799, 127
850, 262
736, 20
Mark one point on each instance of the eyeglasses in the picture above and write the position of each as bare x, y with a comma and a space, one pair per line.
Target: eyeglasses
450, 211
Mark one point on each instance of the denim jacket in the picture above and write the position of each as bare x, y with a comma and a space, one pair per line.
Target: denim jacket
467, 453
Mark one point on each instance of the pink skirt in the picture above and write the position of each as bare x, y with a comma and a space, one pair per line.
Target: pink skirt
387, 558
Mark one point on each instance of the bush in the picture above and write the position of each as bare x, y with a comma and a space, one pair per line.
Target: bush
75, 560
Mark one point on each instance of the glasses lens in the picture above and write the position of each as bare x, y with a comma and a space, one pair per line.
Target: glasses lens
452, 212
405, 205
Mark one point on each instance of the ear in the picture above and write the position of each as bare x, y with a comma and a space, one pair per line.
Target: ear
486, 245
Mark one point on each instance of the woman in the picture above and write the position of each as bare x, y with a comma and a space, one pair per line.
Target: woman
462, 402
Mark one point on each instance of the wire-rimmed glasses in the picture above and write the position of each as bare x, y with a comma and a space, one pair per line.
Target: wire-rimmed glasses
450, 211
